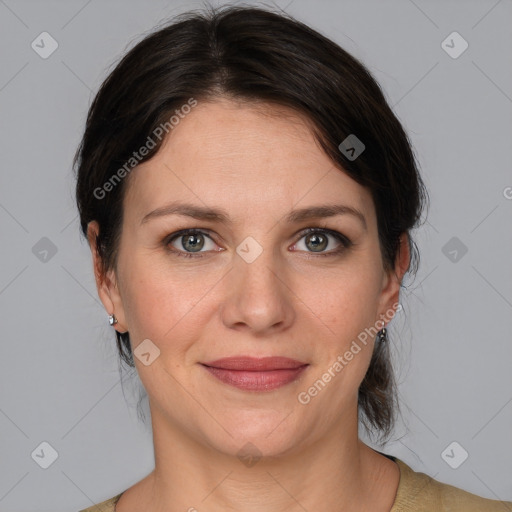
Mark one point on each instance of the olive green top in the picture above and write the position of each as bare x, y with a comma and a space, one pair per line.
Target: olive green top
417, 492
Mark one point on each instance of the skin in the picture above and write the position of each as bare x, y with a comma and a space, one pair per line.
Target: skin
257, 162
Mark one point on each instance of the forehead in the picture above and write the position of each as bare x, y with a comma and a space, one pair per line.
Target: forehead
242, 156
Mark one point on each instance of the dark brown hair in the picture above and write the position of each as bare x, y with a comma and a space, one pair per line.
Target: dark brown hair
252, 54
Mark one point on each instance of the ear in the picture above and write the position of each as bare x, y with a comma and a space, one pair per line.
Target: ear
106, 282
392, 280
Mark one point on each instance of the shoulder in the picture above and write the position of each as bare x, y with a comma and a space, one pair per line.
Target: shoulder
104, 506
419, 492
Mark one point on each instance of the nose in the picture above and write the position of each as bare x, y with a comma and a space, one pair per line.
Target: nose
258, 297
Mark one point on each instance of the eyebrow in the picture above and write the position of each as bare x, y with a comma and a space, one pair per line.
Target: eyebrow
221, 216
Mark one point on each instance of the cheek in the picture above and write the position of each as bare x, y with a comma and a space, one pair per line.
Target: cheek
344, 301
162, 304
345, 311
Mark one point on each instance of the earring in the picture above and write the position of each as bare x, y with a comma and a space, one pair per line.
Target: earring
112, 319
383, 335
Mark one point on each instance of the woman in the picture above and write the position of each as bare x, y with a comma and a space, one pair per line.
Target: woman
248, 196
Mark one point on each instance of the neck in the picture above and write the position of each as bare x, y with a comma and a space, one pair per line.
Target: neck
338, 471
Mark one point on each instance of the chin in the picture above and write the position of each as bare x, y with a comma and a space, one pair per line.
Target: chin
257, 433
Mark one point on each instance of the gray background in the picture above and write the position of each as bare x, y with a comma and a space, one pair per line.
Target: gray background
452, 344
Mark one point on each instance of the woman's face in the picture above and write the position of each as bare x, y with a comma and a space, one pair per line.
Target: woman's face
250, 284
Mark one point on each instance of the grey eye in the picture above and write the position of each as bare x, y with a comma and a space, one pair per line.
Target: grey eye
192, 242
316, 242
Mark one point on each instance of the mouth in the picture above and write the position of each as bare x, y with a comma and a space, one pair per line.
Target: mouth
256, 374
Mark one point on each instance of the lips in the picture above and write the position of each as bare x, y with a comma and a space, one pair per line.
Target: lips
256, 374
254, 364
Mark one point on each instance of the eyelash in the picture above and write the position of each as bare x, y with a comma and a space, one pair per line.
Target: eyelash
344, 241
